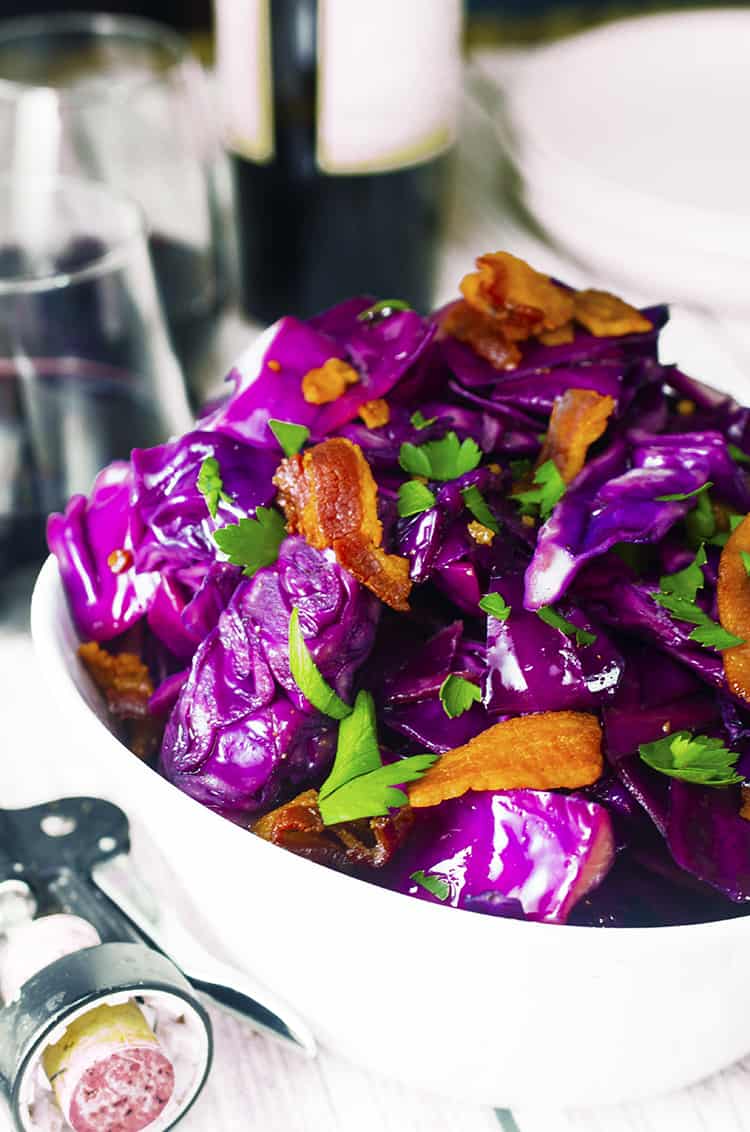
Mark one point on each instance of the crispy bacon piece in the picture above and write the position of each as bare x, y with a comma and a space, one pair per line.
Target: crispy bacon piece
524, 300
298, 826
126, 683
329, 496
733, 597
375, 413
603, 314
551, 750
579, 417
557, 337
123, 678
328, 382
745, 803
484, 334
482, 535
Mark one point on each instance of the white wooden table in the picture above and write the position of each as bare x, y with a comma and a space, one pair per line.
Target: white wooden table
255, 1084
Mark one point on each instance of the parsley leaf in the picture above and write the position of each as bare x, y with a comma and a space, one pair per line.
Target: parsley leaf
687, 582
745, 561
357, 750
384, 308
549, 490
677, 594
290, 436
432, 883
444, 459
373, 794
308, 677
414, 498
551, 617
253, 543
679, 496
419, 422
495, 605
477, 504
737, 454
210, 485
457, 695
692, 758
700, 520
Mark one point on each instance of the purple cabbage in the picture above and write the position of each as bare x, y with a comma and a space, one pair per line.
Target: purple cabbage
538, 850
241, 731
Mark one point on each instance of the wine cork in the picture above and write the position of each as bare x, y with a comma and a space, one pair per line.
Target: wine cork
108, 1072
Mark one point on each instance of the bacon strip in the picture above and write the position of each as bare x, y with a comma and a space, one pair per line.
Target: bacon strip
551, 750
524, 300
733, 598
604, 315
579, 417
328, 382
484, 334
329, 496
297, 825
127, 687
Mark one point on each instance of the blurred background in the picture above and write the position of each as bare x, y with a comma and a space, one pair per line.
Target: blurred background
253, 158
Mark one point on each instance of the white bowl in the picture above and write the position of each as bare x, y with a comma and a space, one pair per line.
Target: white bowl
495, 1011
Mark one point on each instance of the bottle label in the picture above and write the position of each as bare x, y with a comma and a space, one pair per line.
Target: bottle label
386, 80
243, 65
388, 77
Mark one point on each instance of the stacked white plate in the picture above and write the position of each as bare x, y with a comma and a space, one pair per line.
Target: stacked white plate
633, 143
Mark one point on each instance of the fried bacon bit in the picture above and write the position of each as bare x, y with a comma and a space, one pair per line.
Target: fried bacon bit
327, 383
745, 803
524, 300
329, 496
274, 365
481, 534
685, 407
579, 417
485, 335
120, 560
298, 826
375, 413
733, 597
127, 687
528, 521
551, 750
604, 315
558, 337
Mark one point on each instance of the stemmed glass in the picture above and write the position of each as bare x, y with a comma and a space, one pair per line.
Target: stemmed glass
87, 371
122, 100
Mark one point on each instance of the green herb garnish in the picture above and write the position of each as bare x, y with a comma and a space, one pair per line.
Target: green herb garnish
680, 496
457, 695
384, 308
308, 677
745, 561
374, 794
551, 617
443, 460
434, 884
477, 504
548, 491
700, 521
253, 543
495, 605
419, 422
692, 758
414, 497
737, 454
210, 485
677, 593
357, 750
290, 436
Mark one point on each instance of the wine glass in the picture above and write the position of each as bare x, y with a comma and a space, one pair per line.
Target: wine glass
121, 100
87, 371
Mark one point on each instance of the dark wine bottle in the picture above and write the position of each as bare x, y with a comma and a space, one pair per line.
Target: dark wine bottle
340, 116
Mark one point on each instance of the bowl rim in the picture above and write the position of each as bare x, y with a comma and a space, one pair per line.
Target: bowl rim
48, 603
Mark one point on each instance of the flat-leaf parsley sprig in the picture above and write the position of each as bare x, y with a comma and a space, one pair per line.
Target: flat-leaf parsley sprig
692, 758
359, 785
677, 594
253, 543
210, 485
